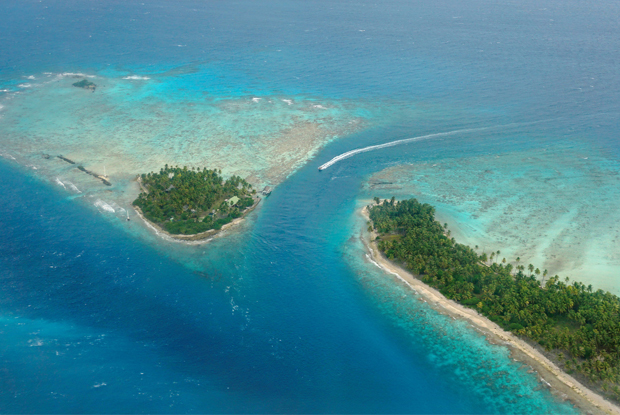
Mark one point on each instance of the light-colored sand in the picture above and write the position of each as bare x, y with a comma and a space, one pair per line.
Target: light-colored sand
196, 239
560, 382
127, 128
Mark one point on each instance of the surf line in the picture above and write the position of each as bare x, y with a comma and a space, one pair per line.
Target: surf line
413, 139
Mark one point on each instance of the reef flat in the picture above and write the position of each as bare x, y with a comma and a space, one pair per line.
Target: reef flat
137, 124
555, 206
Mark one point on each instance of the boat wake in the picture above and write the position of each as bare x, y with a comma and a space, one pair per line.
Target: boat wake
414, 139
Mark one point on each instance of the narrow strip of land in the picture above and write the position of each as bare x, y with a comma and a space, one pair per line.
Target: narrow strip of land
559, 381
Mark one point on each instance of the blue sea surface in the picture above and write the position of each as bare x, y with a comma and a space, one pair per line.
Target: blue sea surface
97, 315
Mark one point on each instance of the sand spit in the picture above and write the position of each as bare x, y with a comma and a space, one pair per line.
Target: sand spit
198, 238
561, 383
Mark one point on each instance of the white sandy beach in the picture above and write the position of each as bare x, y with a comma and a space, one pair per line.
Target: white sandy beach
195, 239
561, 383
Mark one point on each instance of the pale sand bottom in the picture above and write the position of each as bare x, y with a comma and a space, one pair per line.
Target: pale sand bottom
560, 382
554, 207
273, 159
128, 128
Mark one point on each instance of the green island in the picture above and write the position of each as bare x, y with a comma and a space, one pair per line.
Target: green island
577, 326
86, 84
186, 201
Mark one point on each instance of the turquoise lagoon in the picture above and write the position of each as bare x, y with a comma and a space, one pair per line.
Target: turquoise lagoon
284, 313
554, 206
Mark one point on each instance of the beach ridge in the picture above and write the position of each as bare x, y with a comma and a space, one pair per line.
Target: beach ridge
198, 237
555, 378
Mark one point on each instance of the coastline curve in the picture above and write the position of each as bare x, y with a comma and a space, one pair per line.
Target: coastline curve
549, 373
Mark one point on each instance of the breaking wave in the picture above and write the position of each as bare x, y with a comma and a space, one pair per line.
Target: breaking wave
60, 183
137, 77
103, 205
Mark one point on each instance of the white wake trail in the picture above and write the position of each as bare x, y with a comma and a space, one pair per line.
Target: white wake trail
410, 140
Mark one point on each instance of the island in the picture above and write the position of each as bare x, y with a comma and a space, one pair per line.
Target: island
85, 84
565, 330
192, 204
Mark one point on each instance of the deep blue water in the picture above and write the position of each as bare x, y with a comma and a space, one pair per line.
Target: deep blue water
95, 322
285, 316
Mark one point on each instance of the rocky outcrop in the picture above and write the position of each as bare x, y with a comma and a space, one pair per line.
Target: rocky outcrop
85, 84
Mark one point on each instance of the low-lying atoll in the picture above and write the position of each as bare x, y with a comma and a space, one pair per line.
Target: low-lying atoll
193, 204
575, 326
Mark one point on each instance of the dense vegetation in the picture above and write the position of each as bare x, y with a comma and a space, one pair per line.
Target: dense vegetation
580, 326
189, 201
85, 84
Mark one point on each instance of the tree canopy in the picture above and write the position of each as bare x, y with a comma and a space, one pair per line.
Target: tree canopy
579, 325
189, 201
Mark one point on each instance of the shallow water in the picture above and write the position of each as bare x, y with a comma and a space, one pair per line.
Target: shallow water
555, 207
284, 314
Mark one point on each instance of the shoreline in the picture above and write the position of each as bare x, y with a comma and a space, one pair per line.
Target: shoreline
202, 237
561, 383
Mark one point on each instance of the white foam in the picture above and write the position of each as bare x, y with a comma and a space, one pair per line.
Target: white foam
26, 85
137, 77
103, 205
98, 385
413, 139
74, 187
30, 77
288, 101
60, 183
77, 74
256, 99
319, 107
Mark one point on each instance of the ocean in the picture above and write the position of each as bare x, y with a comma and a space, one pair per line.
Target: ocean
285, 313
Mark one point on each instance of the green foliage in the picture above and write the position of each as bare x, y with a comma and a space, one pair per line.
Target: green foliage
569, 319
515, 327
189, 201
85, 84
